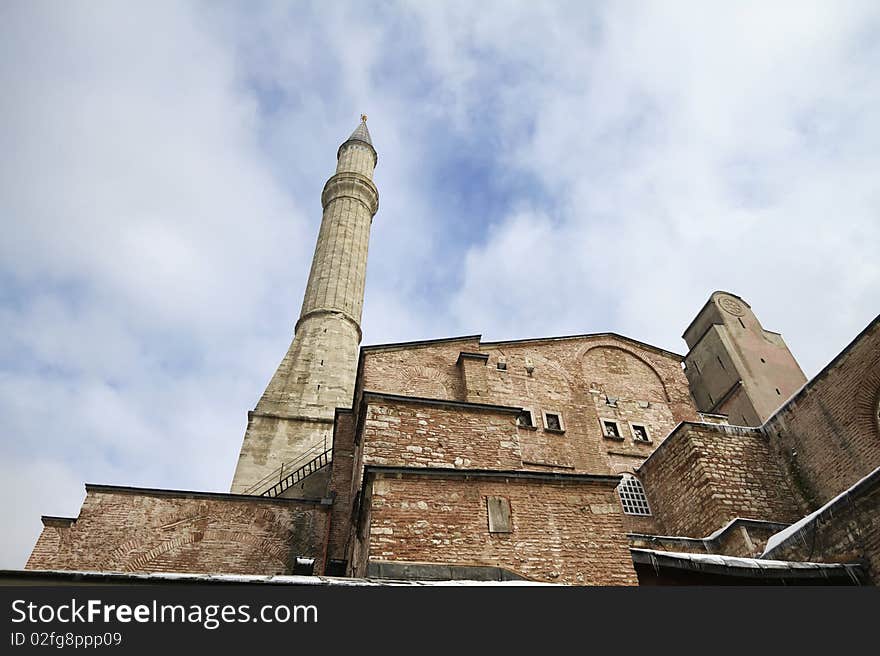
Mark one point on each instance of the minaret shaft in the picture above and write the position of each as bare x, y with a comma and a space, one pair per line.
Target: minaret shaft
293, 419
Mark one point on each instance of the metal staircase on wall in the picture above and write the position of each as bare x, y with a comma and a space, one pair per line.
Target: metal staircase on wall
291, 473
294, 477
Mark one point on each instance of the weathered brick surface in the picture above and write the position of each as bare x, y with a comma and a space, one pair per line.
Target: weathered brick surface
429, 371
562, 532
708, 474
828, 434
574, 377
641, 524
409, 434
850, 532
131, 530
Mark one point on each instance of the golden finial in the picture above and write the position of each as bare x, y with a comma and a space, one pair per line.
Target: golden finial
364, 118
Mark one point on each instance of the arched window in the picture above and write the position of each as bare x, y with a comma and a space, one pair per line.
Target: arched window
632, 496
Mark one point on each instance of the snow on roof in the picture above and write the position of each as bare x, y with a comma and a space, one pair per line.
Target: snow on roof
736, 561
712, 536
777, 539
722, 529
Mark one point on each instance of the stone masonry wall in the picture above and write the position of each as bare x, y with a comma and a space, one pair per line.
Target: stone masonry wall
131, 530
317, 374
735, 366
294, 417
742, 538
828, 434
563, 532
850, 533
708, 474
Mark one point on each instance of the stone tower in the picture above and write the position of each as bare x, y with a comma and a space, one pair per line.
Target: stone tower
734, 366
293, 421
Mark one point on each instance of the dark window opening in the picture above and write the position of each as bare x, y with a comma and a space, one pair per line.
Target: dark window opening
553, 422
641, 433
502, 366
524, 419
304, 566
336, 568
763, 360
778, 392
611, 429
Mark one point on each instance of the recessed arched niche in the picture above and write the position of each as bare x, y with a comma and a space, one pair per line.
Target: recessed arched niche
429, 382
622, 374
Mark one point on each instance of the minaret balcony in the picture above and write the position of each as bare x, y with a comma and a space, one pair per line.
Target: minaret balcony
348, 184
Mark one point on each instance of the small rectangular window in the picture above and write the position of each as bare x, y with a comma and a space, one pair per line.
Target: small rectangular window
525, 420
553, 422
610, 429
640, 433
502, 366
498, 509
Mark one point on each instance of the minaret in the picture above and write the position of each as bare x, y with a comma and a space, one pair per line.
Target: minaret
293, 420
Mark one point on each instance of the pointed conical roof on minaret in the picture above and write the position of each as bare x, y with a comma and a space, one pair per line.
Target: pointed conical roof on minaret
362, 134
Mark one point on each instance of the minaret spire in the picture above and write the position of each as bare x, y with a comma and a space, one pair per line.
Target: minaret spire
293, 420
361, 133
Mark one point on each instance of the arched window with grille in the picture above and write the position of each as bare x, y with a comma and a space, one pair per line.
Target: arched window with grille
632, 496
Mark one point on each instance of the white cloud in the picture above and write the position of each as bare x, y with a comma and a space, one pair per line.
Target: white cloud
144, 235
688, 148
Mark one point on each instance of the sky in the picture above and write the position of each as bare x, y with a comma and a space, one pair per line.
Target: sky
545, 169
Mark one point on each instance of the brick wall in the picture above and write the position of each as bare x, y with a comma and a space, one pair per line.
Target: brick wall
828, 433
564, 532
412, 434
574, 377
135, 530
428, 371
342, 484
708, 474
